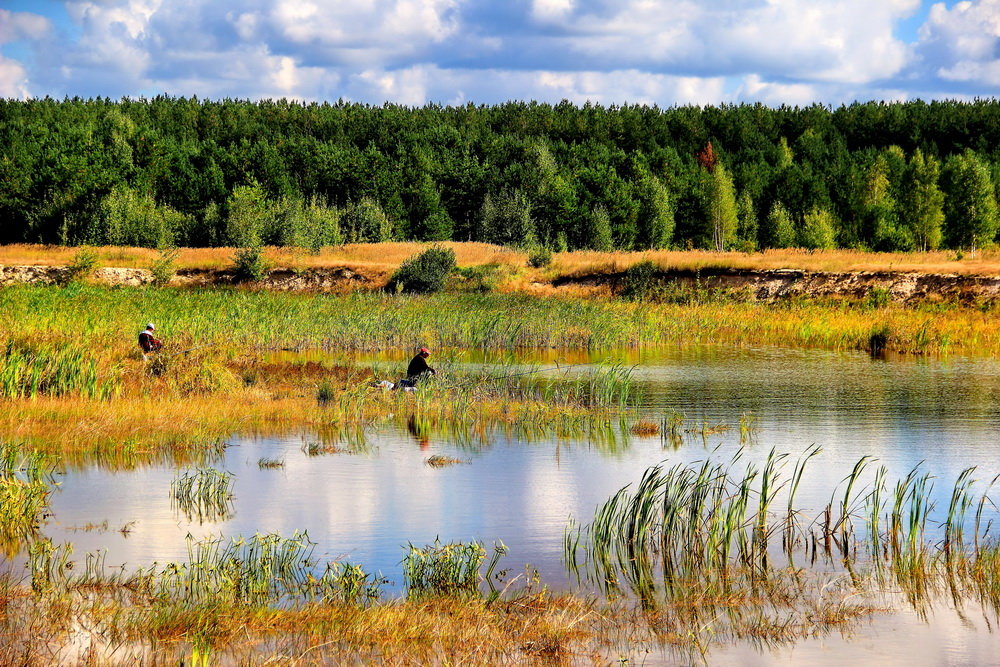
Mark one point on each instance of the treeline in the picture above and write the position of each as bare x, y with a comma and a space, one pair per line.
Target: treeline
190, 172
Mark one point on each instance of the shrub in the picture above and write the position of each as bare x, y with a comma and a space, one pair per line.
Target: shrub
82, 265
539, 257
640, 281
163, 267
250, 265
483, 278
877, 298
424, 273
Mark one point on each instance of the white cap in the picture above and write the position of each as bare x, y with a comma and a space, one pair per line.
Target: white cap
150, 326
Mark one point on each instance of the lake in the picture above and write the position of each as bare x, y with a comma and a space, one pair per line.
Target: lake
367, 505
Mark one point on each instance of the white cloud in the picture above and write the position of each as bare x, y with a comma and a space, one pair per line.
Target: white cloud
13, 79
419, 84
414, 51
963, 43
547, 10
365, 32
838, 40
16, 26
22, 25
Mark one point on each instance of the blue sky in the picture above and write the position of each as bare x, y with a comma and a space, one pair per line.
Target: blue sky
411, 52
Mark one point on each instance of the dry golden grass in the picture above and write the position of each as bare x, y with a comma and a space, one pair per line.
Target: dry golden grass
377, 258
943, 261
377, 261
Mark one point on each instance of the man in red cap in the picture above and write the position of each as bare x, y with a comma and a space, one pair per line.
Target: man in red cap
418, 367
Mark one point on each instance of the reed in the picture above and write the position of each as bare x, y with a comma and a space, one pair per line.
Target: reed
449, 569
25, 487
709, 520
204, 494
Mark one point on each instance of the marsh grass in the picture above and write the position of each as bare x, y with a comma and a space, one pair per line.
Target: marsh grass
30, 371
365, 322
718, 523
450, 569
204, 494
26, 484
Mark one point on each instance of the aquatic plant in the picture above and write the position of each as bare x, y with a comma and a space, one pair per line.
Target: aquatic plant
449, 569
25, 487
204, 494
264, 569
714, 520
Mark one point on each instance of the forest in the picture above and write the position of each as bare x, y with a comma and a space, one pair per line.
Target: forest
172, 171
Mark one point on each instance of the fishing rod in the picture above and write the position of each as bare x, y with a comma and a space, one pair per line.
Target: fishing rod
190, 349
522, 373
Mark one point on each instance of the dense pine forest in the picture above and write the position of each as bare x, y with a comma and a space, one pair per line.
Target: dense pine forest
176, 171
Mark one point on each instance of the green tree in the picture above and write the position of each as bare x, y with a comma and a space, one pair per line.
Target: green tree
248, 216
429, 221
656, 215
506, 220
970, 203
747, 226
923, 201
721, 208
599, 230
131, 218
780, 230
365, 222
818, 230
881, 211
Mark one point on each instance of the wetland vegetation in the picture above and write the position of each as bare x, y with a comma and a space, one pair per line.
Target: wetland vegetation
693, 558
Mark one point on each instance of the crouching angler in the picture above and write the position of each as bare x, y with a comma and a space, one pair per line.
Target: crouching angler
148, 342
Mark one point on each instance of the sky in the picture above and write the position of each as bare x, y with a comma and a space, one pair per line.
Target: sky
413, 52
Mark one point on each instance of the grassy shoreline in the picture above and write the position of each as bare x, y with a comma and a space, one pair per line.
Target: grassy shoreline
70, 372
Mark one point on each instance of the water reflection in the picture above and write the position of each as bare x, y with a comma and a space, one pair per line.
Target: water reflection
364, 495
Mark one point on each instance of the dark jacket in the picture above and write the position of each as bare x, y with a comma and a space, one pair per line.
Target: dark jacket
418, 365
147, 343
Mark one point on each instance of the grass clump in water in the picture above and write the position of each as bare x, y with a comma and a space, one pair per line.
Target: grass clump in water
204, 494
24, 495
449, 569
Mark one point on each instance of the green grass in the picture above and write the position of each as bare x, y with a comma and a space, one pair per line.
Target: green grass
25, 488
717, 520
109, 319
204, 494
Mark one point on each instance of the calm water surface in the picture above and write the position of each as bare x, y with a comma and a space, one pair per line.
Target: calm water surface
365, 507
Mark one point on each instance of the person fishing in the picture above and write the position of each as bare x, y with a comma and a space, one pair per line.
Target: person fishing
417, 369
148, 342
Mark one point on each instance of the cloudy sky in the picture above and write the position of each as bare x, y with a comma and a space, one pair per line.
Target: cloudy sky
486, 51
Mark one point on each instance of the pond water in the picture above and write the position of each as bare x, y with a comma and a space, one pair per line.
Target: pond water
364, 507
